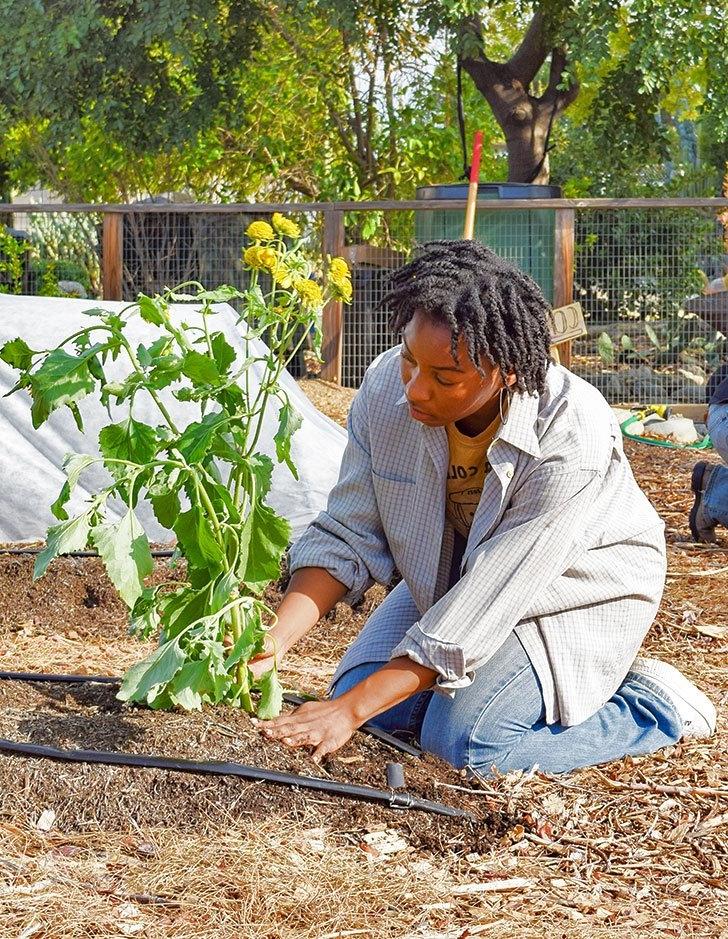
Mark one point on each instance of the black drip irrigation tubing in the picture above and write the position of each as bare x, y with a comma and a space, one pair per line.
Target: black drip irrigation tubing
390, 798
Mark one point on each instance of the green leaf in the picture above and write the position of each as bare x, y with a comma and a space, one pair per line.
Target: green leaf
61, 380
250, 641
195, 534
271, 696
74, 464
261, 466
289, 421
269, 538
605, 347
653, 336
70, 535
18, 354
144, 681
166, 508
223, 590
124, 549
200, 368
129, 440
219, 295
626, 344
223, 352
153, 310
197, 438
144, 618
199, 681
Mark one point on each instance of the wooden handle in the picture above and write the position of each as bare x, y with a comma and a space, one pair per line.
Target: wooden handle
473, 187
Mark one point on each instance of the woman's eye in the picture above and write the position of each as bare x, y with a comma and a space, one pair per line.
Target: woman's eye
446, 384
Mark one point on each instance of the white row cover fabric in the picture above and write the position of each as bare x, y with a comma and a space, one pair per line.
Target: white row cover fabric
30, 460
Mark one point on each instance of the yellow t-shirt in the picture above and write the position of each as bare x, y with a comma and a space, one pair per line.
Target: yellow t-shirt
466, 474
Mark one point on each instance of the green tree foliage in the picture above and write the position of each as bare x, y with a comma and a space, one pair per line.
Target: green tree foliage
132, 78
629, 59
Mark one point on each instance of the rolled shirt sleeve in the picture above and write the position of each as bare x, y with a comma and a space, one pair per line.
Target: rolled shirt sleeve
539, 537
347, 539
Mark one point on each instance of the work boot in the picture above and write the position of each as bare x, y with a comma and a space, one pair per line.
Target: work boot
702, 526
695, 709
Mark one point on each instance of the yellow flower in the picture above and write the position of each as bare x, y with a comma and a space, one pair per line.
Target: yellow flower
281, 274
309, 291
268, 258
339, 269
251, 256
260, 231
285, 226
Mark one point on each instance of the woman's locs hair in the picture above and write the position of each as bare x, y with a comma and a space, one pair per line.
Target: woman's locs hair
498, 310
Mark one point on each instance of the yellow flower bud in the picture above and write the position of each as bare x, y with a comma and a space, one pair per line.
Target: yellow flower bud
260, 231
285, 226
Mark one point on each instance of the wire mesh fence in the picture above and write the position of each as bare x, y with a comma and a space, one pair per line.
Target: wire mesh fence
639, 271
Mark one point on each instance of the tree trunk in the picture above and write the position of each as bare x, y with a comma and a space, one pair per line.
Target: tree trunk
526, 120
6, 194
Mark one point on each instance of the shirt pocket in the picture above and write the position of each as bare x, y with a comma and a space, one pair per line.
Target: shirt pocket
396, 503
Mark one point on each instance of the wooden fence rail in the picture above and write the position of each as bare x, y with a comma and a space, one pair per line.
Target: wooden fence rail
333, 238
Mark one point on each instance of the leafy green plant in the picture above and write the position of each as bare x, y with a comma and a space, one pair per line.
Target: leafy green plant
11, 262
207, 481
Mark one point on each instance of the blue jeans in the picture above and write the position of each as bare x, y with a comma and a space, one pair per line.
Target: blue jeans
715, 500
498, 720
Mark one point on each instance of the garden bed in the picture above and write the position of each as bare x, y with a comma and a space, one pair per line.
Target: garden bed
639, 844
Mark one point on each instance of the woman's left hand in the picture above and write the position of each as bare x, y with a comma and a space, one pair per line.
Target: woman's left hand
324, 725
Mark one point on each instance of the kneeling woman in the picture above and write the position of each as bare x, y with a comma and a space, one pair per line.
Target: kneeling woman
532, 564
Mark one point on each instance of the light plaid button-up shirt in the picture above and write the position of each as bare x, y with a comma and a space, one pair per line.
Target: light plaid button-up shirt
564, 548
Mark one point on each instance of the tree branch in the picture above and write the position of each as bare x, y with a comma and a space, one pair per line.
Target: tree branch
554, 96
532, 52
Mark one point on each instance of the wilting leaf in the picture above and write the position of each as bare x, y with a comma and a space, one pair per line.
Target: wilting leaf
74, 464
194, 532
605, 347
271, 696
143, 681
124, 549
61, 379
152, 309
71, 535
269, 537
289, 420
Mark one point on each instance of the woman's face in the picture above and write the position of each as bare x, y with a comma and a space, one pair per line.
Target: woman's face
440, 390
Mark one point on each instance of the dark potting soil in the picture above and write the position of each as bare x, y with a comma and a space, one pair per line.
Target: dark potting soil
76, 598
88, 797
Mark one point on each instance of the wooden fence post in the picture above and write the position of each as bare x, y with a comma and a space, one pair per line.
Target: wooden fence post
333, 315
564, 270
112, 255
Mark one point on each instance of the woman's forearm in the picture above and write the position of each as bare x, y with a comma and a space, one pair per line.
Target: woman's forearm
392, 683
311, 594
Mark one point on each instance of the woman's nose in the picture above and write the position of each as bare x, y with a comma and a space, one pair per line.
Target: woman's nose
417, 389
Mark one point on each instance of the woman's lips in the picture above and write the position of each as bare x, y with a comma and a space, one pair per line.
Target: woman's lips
417, 413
